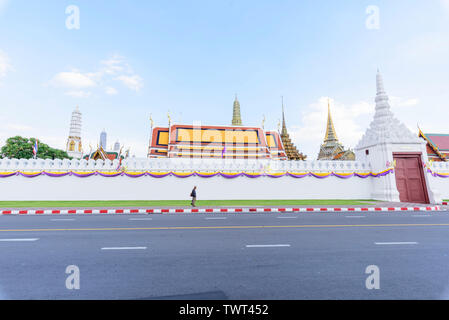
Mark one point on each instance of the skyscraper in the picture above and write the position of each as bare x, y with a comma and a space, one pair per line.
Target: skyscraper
103, 139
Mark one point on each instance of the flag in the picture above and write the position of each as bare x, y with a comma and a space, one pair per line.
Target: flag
119, 160
119, 167
35, 148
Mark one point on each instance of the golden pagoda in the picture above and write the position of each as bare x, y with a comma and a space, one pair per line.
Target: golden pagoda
236, 117
289, 147
332, 149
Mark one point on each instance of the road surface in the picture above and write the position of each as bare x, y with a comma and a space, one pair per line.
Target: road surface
226, 256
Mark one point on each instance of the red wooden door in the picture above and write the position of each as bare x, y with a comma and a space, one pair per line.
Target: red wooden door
410, 178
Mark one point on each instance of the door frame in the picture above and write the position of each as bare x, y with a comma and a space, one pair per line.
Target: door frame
423, 178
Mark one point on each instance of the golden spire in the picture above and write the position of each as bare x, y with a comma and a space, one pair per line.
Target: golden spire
331, 135
290, 149
284, 125
236, 117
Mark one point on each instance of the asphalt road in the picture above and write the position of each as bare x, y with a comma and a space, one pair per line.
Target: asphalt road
226, 256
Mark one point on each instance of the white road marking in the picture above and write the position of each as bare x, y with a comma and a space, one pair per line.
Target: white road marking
287, 217
266, 245
141, 219
125, 248
394, 243
355, 216
421, 215
62, 219
218, 218
19, 240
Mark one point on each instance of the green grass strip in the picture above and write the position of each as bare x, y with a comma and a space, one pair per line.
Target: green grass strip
175, 203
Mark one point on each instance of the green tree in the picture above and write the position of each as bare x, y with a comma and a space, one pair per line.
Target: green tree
22, 148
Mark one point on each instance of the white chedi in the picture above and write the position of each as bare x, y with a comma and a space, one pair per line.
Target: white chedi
385, 128
74, 146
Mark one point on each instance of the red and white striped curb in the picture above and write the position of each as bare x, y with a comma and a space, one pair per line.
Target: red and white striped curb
215, 210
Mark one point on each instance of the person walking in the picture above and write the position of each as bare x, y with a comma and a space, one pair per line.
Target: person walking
193, 195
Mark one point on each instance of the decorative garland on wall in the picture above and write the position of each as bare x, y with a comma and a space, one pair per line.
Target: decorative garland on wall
438, 174
227, 175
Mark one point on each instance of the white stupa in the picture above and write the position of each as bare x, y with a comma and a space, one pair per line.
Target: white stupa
74, 146
385, 138
385, 128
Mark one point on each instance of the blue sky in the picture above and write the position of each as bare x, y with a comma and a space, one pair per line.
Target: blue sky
130, 59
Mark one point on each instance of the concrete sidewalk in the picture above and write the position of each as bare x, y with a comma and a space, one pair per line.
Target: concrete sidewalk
377, 207
379, 204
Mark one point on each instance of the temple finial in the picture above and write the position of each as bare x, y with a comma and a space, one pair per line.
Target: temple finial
379, 83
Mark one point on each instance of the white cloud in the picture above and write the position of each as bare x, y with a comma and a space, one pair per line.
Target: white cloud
350, 123
111, 70
403, 102
133, 82
73, 80
110, 91
115, 64
18, 127
5, 65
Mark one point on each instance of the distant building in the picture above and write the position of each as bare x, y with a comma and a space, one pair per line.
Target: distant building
332, 149
103, 139
437, 145
103, 154
74, 146
117, 146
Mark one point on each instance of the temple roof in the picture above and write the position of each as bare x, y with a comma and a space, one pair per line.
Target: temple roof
438, 143
290, 149
440, 140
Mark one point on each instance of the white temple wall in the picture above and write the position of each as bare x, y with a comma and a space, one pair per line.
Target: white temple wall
385, 189
440, 185
43, 187
378, 156
173, 188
